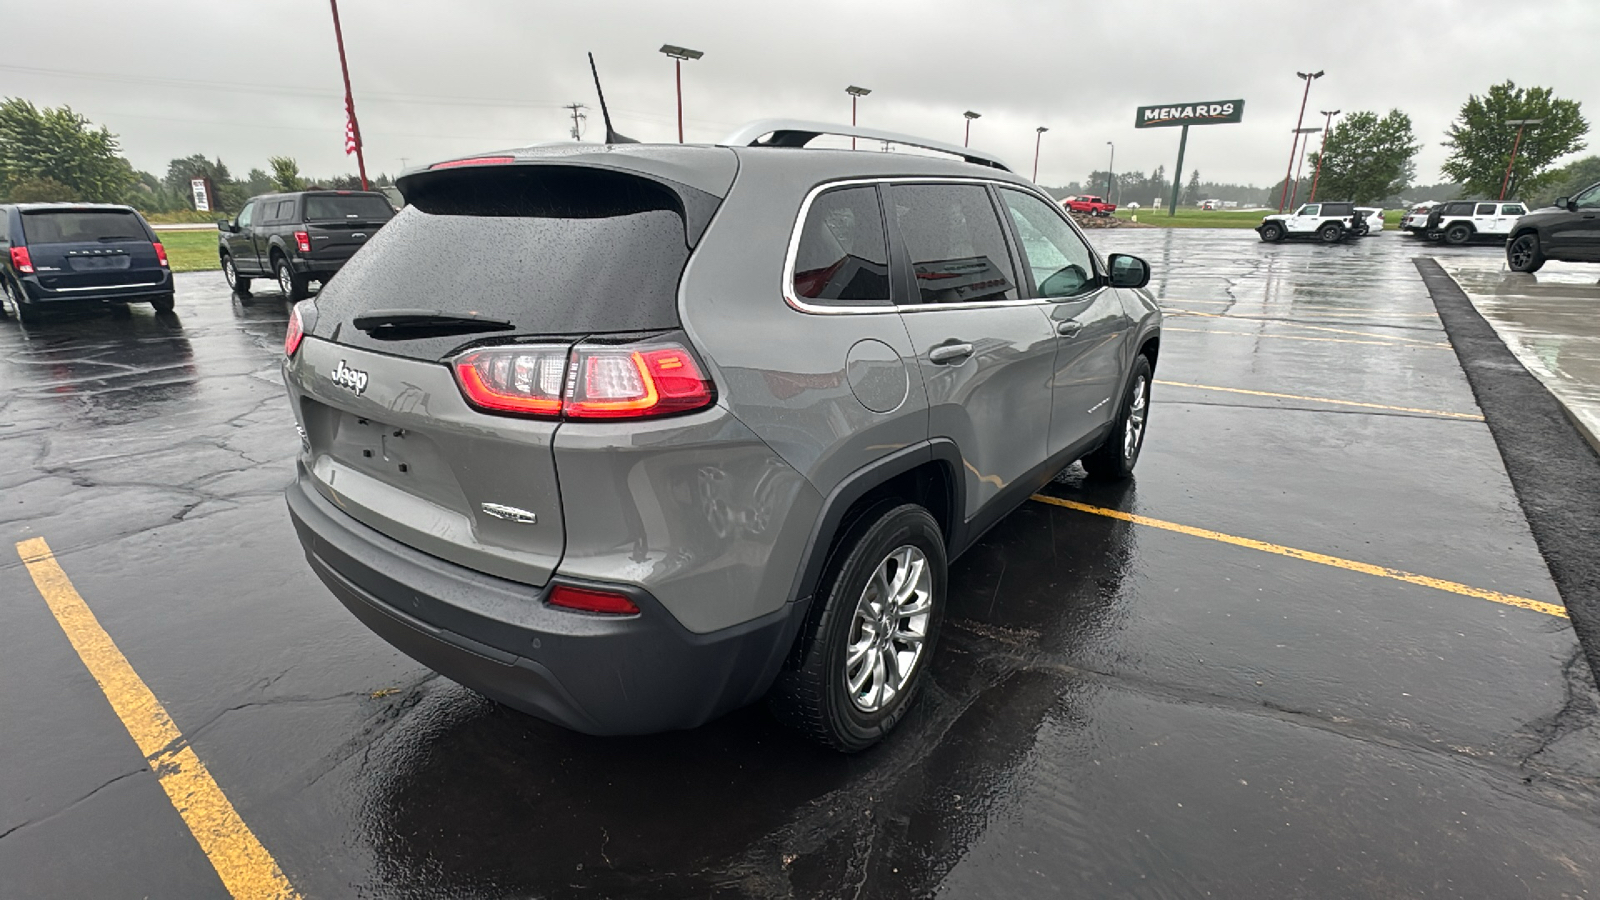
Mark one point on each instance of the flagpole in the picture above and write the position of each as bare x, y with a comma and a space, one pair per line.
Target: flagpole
349, 98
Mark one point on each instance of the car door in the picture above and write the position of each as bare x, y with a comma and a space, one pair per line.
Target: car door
1576, 234
1484, 216
986, 352
242, 243
1087, 315
1304, 220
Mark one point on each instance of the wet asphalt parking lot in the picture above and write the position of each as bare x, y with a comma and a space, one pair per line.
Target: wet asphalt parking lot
1311, 650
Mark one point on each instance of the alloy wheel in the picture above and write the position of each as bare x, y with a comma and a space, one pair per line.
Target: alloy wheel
1522, 252
1133, 432
889, 629
285, 280
229, 273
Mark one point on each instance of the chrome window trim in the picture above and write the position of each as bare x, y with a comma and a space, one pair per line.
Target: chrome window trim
804, 306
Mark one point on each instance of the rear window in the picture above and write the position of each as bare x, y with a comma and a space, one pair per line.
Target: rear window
554, 250
843, 256
323, 207
82, 226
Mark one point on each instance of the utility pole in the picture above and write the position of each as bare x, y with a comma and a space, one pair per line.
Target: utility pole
1038, 138
679, 54
967, 141
1283, 196
1521, 124
577, 119
856, 93
1111, 169
353, 137
1327, 126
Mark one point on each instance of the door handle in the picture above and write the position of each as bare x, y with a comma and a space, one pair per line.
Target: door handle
1068, 328
945, 354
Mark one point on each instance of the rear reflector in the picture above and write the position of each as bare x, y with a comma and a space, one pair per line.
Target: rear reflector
21, 259
474, 161
613, 603
161, 253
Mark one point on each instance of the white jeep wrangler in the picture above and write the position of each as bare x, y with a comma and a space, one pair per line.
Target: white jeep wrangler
1465, 221
1329, 223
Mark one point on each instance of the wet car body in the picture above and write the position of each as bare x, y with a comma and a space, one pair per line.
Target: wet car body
66, 254
1568, 231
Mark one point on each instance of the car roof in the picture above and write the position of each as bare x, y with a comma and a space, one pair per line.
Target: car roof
35, 207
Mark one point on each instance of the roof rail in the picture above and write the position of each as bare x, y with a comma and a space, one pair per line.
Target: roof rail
796, 133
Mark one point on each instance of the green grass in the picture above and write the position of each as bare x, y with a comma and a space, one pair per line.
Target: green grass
1190, 217
184, 217
191, 251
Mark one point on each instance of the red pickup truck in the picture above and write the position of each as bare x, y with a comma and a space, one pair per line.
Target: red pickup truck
1094, 206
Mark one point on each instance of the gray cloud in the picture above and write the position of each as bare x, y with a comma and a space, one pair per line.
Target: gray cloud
247, 80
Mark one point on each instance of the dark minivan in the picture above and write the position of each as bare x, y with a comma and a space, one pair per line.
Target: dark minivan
298, 238
58, 254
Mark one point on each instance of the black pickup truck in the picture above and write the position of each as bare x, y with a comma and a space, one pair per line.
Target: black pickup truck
298, 238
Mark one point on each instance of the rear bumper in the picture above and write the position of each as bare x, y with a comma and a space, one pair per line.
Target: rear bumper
317, 268
146, 287
604, 675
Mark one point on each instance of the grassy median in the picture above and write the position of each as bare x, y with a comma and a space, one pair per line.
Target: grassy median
191, 251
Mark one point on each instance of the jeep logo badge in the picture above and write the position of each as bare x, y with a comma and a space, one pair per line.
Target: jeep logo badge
350, 379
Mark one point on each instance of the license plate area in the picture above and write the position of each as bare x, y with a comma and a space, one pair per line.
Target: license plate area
97, 263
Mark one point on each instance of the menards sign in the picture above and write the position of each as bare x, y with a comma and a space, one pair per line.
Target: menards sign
1211, 112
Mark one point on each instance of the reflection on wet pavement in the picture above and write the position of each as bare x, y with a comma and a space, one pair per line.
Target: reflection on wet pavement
1116, 710
1551, 321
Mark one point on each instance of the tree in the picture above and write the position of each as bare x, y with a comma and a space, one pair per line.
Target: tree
258, 182
286, 174
180, 172
58, 145
1571, 178
1191, 194
42, 189
1480, 140
1368, 159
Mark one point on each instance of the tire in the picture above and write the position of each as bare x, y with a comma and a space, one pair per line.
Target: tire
1114, 460
1271, 232
163, 303
1458, 234
1524, 254
1331, 233
813, 695
295, 287
25, 312
8, 300
237, 283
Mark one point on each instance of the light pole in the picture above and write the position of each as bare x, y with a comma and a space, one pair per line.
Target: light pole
967, 141
1521, 124
856, 93
679, 54
1111, 169
1304, 146
1284, 194
1327, 126
1038, 138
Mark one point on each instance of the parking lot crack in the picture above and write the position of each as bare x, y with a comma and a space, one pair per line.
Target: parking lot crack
67, 808
1578, 709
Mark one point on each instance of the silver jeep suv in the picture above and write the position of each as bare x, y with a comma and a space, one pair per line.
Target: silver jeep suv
628, 436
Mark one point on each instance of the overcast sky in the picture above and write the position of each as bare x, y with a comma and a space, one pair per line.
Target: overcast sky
248, 80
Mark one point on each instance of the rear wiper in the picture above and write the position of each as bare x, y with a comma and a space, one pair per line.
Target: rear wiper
414, 322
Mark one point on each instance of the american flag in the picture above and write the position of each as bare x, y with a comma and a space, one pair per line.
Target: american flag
352, 139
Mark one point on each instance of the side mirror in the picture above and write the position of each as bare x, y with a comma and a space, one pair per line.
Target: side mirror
224, 225
1128, 271
1566, 204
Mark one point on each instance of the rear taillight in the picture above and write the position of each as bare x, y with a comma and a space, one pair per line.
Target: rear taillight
592, 600
474, 161
21, 259
161, 253
589, 381
302, 241
296, 332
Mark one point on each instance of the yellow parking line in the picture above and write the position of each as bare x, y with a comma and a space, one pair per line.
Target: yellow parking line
1302, 337
1473, 417
1549, 609
246, 868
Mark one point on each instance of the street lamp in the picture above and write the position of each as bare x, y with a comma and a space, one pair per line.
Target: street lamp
679, 54
1322, 154
1303, 148
1038, 138
1284, 194
967, 141
1521, 124
856, 93
1111, 168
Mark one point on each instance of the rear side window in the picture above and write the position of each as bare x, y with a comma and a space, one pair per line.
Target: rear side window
555, 250
843, 256
1513, 209
1338, 209
284, 212
82, 226
325, 207
953, 236
1485, 209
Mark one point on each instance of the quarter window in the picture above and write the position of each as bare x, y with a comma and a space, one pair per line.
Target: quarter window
843, 257
958, 252
1058, 262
